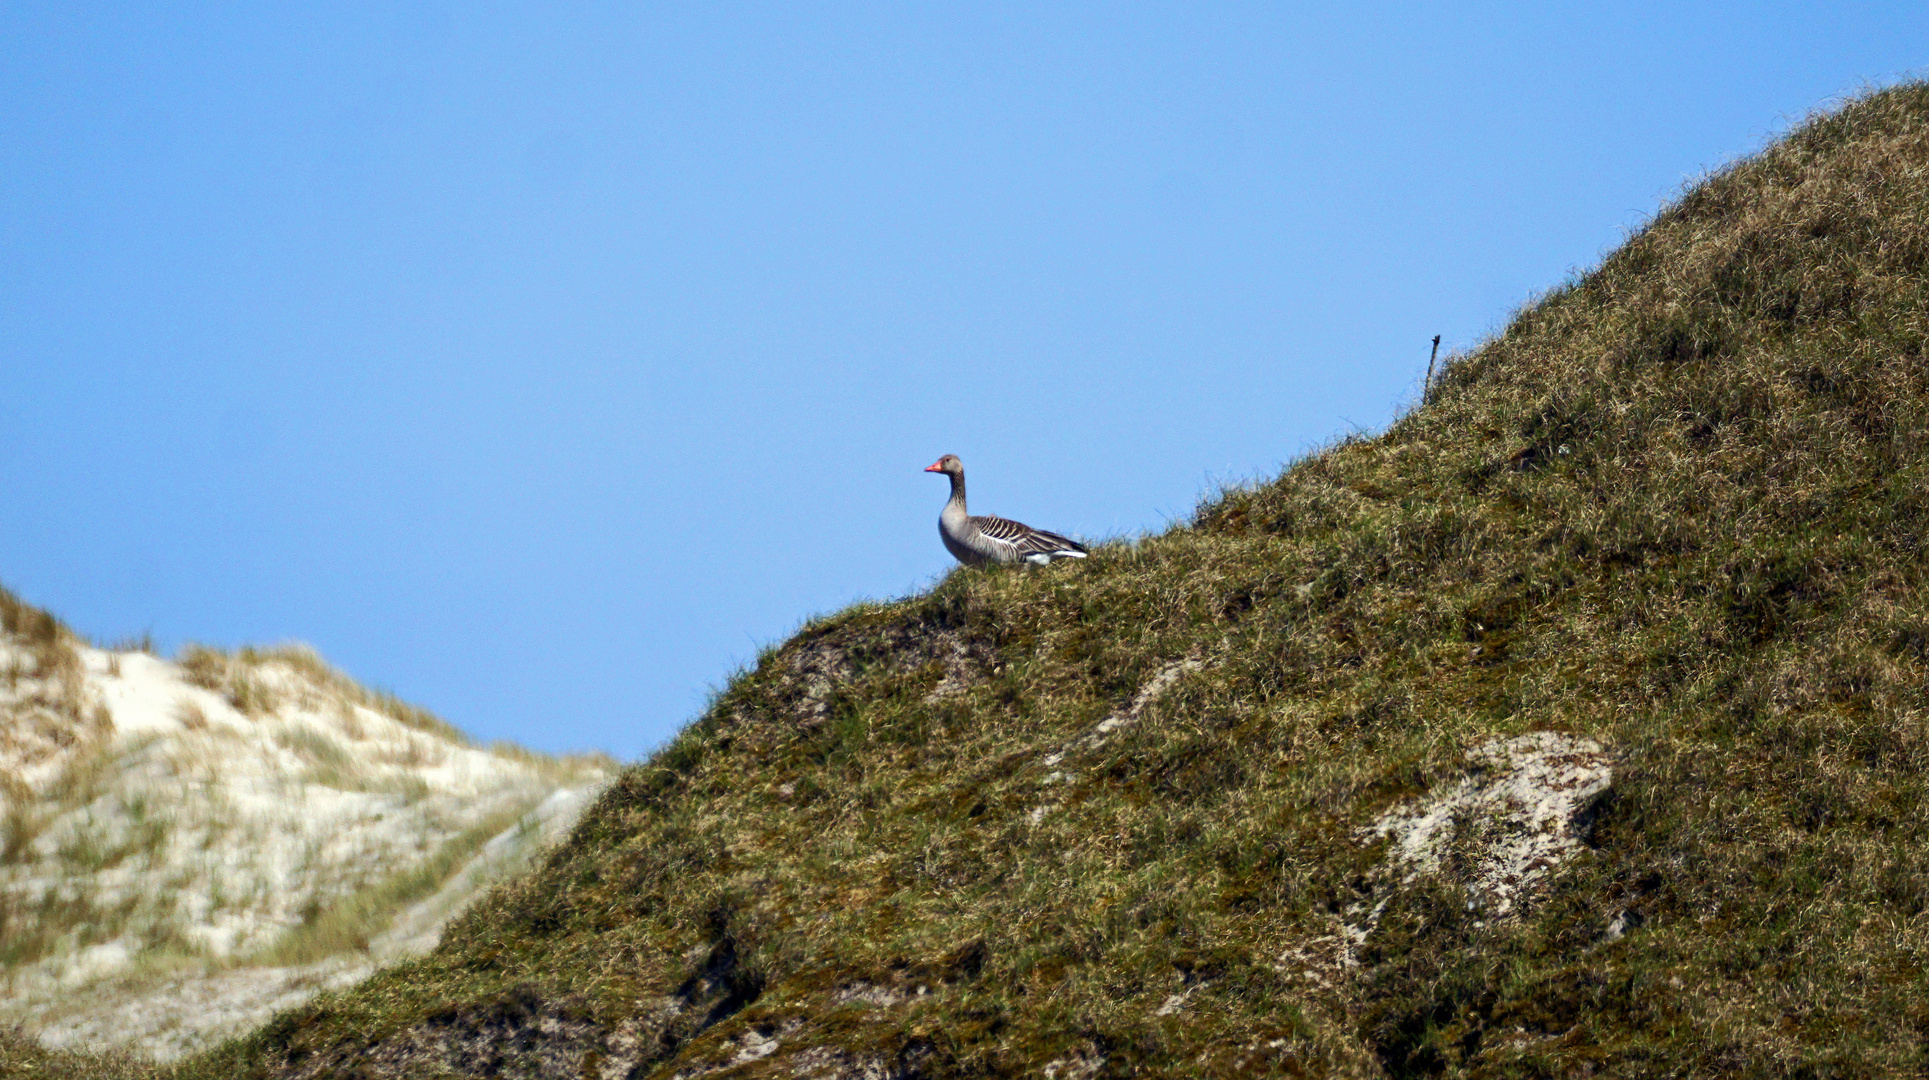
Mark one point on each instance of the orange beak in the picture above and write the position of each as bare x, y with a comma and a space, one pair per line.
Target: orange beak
935, 466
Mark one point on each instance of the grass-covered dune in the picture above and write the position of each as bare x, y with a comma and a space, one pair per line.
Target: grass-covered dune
1113, 818
189, 846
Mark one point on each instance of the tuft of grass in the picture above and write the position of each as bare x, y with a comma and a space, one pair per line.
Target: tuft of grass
564, 769
330, 764
142, 643
47, 639
191, 715
313, 746
233, 676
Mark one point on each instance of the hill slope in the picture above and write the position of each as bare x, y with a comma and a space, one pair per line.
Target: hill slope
188, 847
1574, 726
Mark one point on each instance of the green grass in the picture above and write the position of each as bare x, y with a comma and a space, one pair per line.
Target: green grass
1678, 505
23, 1059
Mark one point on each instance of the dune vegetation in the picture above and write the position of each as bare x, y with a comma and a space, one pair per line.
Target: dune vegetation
1119, 817
187, 847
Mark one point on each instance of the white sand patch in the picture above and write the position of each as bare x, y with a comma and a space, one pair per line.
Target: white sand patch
1502, 828
144, 693
1521, 802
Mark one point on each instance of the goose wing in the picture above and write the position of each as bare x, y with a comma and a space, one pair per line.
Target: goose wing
1025, 542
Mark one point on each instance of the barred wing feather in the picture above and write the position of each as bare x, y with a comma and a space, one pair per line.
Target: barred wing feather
1026, 542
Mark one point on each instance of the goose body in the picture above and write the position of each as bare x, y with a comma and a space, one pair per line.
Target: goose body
975, 541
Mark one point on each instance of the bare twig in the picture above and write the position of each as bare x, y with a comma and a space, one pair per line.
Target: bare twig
1427, 387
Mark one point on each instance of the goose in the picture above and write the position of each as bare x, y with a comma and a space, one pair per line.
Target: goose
979, 540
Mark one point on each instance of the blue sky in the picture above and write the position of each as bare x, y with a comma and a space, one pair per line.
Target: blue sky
540, 362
